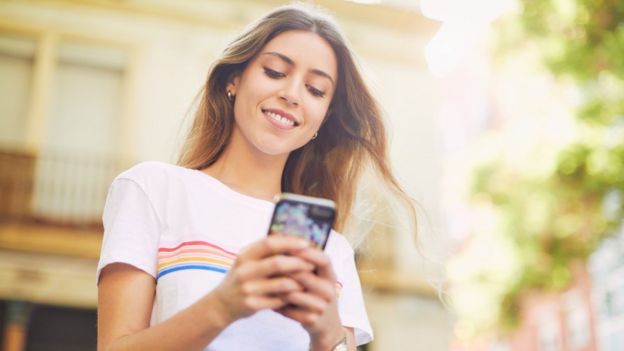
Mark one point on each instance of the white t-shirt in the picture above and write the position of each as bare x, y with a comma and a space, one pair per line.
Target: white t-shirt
185, 229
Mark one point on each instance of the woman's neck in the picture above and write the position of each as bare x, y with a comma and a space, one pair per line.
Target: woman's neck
251, 173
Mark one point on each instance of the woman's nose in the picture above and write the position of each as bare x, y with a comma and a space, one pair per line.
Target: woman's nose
290, 93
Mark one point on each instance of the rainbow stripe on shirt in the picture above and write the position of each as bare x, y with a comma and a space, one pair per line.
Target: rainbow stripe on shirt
194, 255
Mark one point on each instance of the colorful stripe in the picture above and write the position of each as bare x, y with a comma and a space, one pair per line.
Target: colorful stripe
199, 255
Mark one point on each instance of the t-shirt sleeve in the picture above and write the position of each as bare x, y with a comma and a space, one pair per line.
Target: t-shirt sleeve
350, 299
131, 228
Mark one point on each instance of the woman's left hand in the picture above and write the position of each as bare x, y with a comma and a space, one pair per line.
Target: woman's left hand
316, 307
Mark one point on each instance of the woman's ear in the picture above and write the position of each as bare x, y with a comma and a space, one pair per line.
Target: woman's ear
328, 114
233, 84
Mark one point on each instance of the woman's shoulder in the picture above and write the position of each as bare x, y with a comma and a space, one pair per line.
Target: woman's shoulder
338, 245
151, 167
153, 174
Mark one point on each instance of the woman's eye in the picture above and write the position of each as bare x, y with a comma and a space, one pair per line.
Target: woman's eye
314, 91
273, 73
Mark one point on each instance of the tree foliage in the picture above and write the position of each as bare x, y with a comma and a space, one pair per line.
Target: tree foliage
562, 217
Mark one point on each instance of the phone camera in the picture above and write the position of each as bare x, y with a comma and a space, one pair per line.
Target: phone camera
320, 212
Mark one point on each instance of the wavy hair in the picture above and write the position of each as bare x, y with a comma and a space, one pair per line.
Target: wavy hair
352, 136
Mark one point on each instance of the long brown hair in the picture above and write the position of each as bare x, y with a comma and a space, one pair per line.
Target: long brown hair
352, 135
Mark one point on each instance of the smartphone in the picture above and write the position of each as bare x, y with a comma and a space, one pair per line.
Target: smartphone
303, 216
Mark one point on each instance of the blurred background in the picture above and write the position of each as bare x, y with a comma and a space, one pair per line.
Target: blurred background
506, 126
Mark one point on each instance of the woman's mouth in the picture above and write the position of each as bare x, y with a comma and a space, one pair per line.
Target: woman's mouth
280, 119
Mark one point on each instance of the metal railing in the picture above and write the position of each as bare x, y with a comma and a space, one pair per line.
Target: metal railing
55, 187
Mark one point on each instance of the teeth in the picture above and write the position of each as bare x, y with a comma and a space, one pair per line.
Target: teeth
282, 120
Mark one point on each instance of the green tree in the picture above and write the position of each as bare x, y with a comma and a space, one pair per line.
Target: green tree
561, 218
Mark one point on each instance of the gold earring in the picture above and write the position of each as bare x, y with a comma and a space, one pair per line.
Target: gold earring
314, 136
230, 95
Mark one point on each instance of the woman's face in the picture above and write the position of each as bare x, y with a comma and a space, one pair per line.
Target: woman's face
283, 95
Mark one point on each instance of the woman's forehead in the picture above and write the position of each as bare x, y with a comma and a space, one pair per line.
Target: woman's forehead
304, 48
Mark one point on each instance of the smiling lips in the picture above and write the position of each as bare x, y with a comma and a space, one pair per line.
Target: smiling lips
280, 118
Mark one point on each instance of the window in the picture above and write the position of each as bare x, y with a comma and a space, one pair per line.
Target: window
548, 332
576, 320
16, 66
77, 159
615, 293
615, 341
86, 100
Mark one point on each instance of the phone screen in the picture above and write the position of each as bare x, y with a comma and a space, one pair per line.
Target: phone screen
303, 219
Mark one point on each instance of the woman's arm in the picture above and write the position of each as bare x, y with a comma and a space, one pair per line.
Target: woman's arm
259, 275
125, 300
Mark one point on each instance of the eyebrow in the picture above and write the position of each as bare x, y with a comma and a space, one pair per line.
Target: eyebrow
290, 62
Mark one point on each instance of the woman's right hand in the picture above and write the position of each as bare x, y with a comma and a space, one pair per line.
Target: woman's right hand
255, 282
260, 276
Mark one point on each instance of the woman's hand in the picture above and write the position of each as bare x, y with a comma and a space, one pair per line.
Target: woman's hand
315, 306
261, 274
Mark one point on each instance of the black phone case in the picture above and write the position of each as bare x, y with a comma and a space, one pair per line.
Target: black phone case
303, 219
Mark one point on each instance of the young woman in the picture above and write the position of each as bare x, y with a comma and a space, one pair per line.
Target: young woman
186, 263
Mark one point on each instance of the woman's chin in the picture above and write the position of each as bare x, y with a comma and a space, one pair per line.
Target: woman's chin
273, 148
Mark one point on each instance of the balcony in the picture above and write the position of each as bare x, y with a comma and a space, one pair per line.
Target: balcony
50, 225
